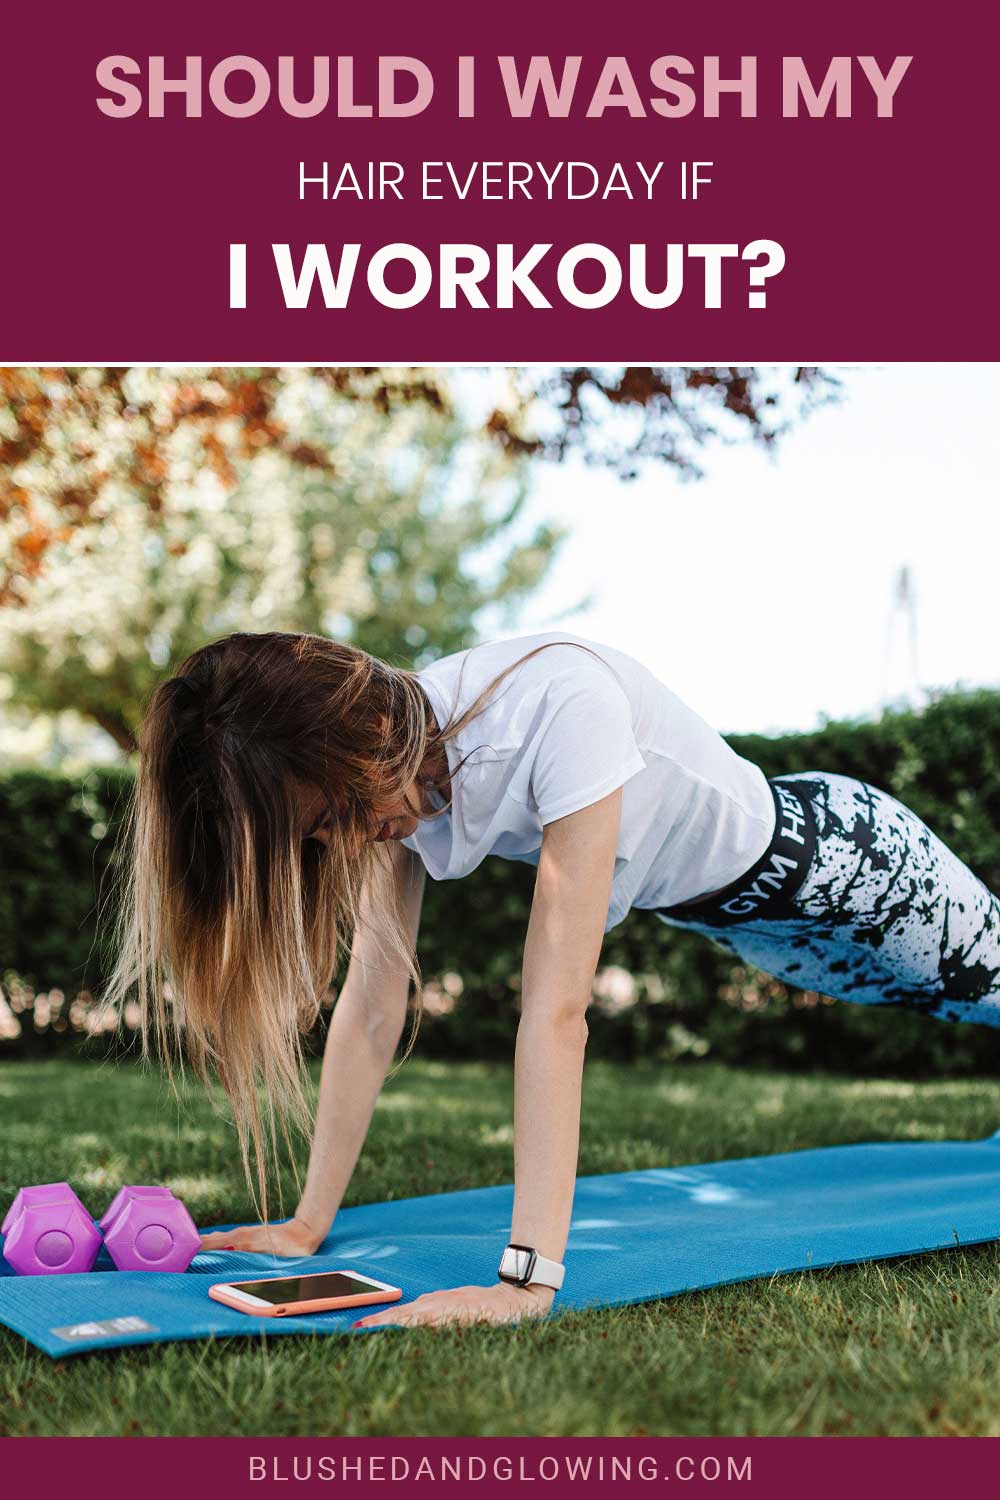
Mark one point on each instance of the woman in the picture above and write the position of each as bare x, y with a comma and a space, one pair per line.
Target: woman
292, 793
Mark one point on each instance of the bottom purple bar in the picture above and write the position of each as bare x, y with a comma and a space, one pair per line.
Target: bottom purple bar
769, 1468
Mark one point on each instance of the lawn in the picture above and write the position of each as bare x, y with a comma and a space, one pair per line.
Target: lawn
906, 1347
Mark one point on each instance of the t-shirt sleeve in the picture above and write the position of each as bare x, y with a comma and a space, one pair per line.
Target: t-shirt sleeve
587, 747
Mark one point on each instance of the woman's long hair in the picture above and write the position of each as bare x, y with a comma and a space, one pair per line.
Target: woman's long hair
231, 922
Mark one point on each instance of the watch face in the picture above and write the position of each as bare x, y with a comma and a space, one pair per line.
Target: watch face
517, 1264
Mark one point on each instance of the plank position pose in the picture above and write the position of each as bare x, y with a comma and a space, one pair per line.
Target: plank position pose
293, 792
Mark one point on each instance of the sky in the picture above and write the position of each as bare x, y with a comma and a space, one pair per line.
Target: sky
763, 594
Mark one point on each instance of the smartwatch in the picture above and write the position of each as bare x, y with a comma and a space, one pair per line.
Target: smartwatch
521, 1265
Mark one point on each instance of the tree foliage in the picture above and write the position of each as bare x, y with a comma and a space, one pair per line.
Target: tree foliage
623, 417
144, 512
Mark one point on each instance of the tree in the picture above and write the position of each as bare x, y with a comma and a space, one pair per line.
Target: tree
145, 512
626, 416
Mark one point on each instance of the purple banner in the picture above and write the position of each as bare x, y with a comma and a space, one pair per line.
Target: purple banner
218, 182
822, 1468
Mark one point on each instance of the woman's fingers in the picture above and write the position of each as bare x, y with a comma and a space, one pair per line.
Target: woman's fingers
396, 1317
220, 1239
470, 1304
261, 1239
248, 1237
404, 1314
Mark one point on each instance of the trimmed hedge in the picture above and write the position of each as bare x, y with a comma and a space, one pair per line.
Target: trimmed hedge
685, 998
57, 837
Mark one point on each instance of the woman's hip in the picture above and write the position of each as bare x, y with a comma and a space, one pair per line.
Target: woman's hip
858, 898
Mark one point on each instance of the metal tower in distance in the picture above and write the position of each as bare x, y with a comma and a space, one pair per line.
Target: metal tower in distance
900, 659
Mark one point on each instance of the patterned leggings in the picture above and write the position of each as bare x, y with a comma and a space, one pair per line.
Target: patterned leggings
858, 899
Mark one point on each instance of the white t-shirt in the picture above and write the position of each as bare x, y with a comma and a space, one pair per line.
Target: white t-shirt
565, 729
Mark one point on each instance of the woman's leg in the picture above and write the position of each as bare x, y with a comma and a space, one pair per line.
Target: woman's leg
886, 913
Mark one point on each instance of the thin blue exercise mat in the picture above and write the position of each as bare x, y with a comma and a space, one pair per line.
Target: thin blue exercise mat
636, 1236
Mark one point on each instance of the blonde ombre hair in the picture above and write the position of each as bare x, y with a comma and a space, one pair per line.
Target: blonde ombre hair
231, 921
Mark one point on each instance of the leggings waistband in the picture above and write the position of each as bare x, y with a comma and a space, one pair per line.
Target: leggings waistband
768, 888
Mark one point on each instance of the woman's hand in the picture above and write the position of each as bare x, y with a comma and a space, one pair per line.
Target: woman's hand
293, 1238
501, 1303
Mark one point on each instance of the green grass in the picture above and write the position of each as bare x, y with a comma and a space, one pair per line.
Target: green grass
904, 1347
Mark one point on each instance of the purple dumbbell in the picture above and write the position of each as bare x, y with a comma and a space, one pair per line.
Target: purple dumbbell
148, 1229
48, 1232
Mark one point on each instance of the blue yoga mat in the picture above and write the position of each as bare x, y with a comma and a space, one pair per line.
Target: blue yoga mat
636, 1236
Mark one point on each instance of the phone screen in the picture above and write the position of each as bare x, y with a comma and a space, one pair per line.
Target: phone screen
306, 1288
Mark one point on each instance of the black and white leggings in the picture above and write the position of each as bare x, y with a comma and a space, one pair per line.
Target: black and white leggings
858, 899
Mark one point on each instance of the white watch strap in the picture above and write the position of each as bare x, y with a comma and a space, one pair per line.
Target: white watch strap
547, 1273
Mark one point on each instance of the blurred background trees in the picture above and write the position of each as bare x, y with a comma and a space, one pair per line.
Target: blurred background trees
149, 512
146, 511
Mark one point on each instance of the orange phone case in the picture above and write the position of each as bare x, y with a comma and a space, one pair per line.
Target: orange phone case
319, 1304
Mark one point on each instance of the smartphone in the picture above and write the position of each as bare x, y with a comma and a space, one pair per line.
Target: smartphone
284, 1296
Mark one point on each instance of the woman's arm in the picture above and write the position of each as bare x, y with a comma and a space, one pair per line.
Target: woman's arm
364, 1031
565, 933
365, 1028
